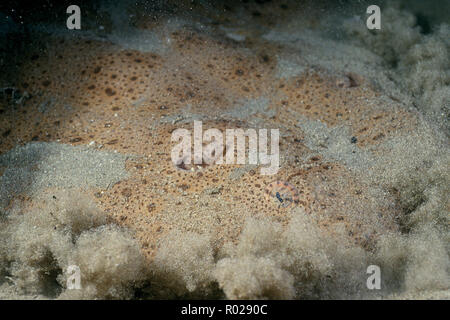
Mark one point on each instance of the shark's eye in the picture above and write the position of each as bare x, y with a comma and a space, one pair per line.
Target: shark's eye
184, 165
282, 194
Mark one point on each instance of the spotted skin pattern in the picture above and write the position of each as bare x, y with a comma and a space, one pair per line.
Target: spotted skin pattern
282, 193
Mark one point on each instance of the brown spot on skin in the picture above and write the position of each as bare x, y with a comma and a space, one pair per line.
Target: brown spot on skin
114, 141
6, 133
97, 69
110, 92
378, 136
282, 190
